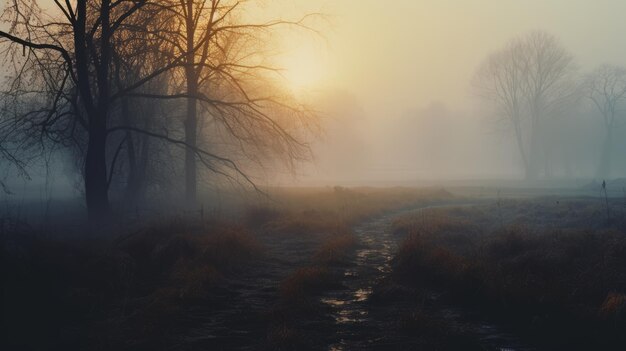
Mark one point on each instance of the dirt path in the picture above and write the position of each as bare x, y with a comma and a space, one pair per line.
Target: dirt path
355, 321
238, 317
365, 324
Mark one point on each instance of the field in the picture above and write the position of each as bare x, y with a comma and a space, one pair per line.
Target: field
552, 270
183, 282
329, 268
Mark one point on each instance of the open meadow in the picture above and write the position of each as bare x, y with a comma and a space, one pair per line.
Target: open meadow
331, 267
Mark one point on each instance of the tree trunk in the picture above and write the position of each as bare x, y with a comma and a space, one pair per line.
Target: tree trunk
191, 126
96, 187
520, 146
134, 178
136, 184
534, 161
604, 169
191, 122
142, 169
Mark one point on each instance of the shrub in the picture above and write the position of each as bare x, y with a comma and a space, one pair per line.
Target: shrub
336, 248
306, 282
519, 272
614, 307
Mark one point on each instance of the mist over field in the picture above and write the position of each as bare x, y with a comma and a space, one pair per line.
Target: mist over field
398, 100
313, 175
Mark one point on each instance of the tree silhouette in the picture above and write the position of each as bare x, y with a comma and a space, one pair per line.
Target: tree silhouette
529, 81
76, 75
606, 87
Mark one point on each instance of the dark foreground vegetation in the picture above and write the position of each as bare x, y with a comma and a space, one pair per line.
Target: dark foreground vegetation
296, 272
552, 271
161, 286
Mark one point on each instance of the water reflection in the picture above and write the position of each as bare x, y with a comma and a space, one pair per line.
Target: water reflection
334, 302
371, 264
362, 294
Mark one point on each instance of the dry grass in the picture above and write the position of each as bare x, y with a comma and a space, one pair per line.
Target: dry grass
285, 337
306, 282
336, 248
131, 290
313, 280
614, 307
139, 281
327, 215
330, 212
313, 210
561, 279
436, 333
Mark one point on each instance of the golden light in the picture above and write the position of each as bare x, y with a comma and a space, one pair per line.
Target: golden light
304, 66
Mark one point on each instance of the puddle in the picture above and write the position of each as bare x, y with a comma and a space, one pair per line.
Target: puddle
353, 321
334, 302
358, 328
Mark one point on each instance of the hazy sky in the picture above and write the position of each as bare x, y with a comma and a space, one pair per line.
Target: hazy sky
403, 53
400, 54
397, 57
391, 60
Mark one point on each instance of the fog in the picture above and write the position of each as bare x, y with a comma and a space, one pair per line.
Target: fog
401, 79
394, 85
313, 175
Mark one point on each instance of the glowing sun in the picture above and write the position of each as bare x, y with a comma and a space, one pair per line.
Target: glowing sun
305, 66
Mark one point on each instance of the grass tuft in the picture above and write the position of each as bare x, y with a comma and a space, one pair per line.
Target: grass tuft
306, 282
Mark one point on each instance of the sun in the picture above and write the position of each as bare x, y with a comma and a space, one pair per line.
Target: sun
304, 66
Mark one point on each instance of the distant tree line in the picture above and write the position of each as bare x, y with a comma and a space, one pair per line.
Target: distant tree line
535, 87
142, 92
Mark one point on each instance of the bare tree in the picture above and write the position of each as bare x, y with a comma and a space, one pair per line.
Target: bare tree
220, 79
140, 52
73, 70
76, 73
501, 80
529, 81
551, 86
606, 87
73, 53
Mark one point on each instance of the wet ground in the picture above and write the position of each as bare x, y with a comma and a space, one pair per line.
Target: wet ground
354, 318
370, 322
240, 318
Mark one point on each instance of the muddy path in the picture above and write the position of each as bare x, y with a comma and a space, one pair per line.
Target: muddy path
237, 316
354, 316
365, 320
